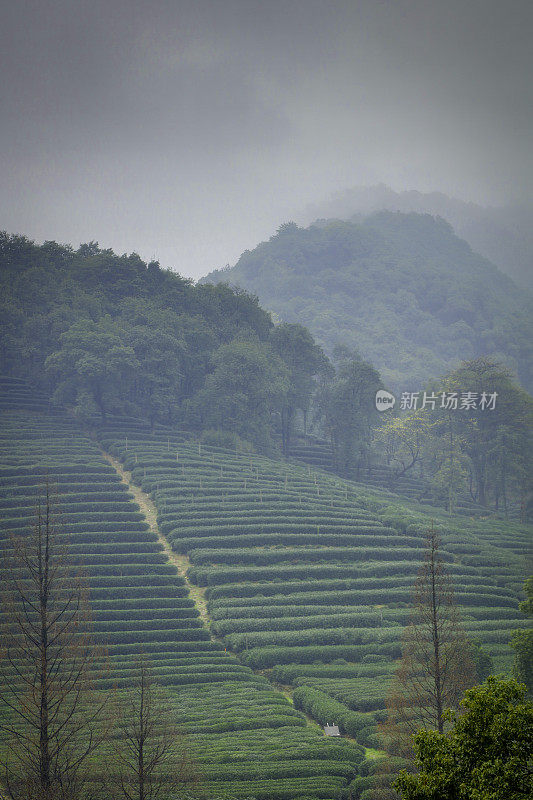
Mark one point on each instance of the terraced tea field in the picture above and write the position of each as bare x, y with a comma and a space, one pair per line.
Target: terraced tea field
308, 577
318, 453
246, 738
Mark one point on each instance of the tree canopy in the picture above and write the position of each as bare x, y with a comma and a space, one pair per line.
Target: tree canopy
108, 334
486, 755
462, 446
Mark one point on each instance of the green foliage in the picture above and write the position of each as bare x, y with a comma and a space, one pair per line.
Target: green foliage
495, 443
346, 403
215, 437
485, 756
248, 740
303, 359
295, 562
482, 451
245, 509
247, 381
526, 606
327, 710
402, 289
110, 334
482, 660
264, 657
522, 642
92, 360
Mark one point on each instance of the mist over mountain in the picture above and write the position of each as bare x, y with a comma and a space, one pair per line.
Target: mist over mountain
403, 289
504, 234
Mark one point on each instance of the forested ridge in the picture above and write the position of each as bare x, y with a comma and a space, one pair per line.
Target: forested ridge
104, 333
503, 234
402, 289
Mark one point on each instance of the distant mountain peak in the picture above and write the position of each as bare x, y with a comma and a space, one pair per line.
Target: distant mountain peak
504, 234
401, 288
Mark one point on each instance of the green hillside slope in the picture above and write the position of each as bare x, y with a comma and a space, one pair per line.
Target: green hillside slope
246, 739
308, 580
318, 453
400, 288
298, 563
309, 577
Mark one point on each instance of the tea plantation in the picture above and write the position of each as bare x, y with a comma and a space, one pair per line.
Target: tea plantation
308, 577
318, 453
246, 738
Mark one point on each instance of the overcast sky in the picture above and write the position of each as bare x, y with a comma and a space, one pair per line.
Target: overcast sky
189, 131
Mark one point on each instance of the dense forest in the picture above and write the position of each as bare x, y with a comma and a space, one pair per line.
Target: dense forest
503, 234
111, 334
401, 289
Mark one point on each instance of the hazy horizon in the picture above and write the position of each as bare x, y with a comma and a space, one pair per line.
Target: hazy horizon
189, 131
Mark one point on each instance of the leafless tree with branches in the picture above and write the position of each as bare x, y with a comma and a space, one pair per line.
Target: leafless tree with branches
148, 757
436, 666
50, 716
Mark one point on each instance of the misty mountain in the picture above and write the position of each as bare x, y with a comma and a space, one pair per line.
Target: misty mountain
503, 235
402, 289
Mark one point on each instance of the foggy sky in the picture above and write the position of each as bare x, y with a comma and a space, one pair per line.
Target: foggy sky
189, 131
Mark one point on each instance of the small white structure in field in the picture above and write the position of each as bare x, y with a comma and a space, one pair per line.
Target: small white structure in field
332, 730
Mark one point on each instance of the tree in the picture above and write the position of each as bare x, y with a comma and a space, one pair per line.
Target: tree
522, 642
403, 439
45, 657
495, 441
485, 756
149, 759
346, 403
248, 383
436, 665
446, 447
93, 361
303, 359
467, 445
155, 336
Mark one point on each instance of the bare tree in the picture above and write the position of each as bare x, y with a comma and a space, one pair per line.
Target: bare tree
148, 756
46, 653
436, 666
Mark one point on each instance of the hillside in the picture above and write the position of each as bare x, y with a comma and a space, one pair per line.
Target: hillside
318, 453
279, 571
246, 739
308, 578
501, 234
269, 596
402, 289
106, 334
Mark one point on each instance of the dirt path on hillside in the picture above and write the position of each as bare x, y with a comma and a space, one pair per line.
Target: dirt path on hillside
149, 510
182, 563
